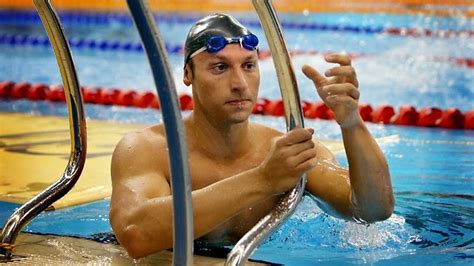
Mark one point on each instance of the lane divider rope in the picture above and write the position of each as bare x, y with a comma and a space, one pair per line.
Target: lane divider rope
102, 18
450, 118
104, 45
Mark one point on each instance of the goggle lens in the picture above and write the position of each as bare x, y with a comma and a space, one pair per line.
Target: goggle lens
250, 42
215, 44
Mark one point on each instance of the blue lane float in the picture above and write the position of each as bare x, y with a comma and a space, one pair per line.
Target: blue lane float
81, 43
82, 18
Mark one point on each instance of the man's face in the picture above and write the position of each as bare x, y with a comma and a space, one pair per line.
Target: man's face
225, 84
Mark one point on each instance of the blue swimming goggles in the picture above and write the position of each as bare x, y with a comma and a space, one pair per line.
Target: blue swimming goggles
216, 43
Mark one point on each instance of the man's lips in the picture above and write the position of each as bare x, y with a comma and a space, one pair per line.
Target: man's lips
238, 101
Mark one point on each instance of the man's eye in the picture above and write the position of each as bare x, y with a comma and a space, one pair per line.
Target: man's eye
249, 66
219, 67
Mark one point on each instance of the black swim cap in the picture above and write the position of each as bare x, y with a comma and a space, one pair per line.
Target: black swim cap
216, 24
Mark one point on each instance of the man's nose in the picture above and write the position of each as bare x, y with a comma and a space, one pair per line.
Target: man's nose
238, 79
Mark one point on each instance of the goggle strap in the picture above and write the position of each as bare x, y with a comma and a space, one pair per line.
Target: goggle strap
198, 51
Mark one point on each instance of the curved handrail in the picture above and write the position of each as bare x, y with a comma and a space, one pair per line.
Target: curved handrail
77, 127
175, 133
294, 118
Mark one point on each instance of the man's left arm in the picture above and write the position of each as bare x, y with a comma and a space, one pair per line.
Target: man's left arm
364, 193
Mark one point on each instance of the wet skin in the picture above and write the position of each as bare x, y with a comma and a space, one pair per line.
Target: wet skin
240, 169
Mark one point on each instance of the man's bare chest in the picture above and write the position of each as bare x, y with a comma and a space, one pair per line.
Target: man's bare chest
205, 171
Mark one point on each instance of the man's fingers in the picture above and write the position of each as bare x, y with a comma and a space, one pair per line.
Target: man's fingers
342, 89
307, 165
302, 157
346, 71
298, 135
342, 74
338, 80
300, 147
341, 59
343, 100
314, 75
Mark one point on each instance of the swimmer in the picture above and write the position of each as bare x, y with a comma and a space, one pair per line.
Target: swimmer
241, 169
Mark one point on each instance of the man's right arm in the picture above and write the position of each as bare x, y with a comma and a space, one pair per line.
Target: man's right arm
141, 203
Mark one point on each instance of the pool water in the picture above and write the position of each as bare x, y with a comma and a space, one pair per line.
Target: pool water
432, 169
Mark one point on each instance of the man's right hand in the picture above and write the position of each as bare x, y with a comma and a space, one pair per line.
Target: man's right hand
290, 156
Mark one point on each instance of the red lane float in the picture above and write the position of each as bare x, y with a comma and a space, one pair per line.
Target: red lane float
185, 102
415, 32
469, 120
318, 110
37, 92
5, 88
56, 93
383, 114
407, 116
450, 118
126, 98
259, 107
20, 90
465, 62
274, 108
90, 94
429, 117
146, 99
365, 111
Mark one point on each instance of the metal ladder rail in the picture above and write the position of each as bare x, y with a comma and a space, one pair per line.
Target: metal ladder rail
183, 229
294, 118
77, 127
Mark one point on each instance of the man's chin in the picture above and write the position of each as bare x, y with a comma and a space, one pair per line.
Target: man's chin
239, 118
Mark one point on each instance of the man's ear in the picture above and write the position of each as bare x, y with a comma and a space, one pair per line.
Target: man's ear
187, 76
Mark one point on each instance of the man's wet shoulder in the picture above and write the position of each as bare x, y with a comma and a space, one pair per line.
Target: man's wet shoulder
149, 137
265, 131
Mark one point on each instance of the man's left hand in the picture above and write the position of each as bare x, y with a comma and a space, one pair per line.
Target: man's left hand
338, 89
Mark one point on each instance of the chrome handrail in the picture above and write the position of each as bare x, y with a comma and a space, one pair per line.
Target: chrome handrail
294, 118
183, 230
77, 127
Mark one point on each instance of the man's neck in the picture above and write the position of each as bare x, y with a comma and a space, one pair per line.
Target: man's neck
228, 141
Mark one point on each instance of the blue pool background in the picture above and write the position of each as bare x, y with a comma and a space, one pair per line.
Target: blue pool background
432, 169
